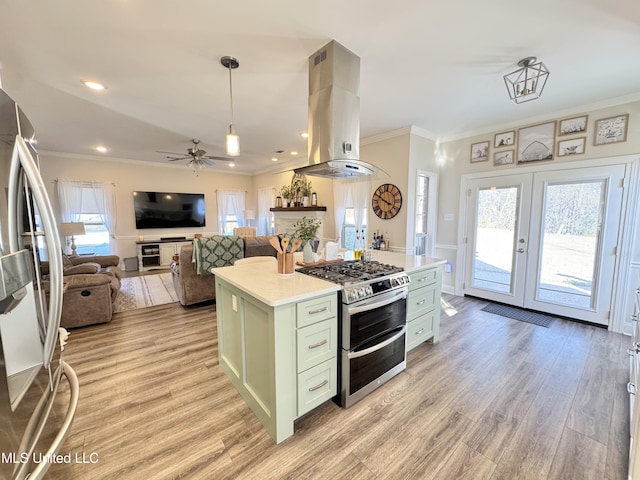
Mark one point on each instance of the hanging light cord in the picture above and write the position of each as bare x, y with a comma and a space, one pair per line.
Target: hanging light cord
231, 95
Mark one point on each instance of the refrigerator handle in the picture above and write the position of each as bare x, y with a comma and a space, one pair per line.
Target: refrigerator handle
22, 160
40, 417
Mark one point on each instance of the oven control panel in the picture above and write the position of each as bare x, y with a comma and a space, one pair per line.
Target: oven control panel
361, 291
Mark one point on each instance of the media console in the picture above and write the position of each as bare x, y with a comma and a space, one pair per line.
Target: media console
158, 254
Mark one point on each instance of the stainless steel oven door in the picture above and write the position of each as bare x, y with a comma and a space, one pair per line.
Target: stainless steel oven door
372, 317
373, 363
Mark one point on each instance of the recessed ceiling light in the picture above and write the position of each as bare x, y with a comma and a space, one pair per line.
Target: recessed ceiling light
274, 159
93, 85
293, 152
304, 134
232, 164
101, 149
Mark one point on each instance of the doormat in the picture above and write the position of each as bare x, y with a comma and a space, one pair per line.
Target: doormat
519, 314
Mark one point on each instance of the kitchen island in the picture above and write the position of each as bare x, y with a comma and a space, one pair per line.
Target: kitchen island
278, 336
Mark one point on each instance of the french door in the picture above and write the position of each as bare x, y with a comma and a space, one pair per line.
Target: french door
545, 241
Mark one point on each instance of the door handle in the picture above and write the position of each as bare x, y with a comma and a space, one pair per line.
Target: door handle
520, 250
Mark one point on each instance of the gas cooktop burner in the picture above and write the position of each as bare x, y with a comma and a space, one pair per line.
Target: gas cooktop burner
354, 271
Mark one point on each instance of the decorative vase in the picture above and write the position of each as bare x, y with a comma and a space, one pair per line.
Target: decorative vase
307, 252
305, 201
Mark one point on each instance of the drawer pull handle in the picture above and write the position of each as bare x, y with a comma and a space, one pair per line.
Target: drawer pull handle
313, 389
319, 310
420, 332
319, 344
423, 279
631, 388
420, 302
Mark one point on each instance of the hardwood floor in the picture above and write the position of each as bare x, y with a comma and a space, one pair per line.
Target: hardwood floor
495, 399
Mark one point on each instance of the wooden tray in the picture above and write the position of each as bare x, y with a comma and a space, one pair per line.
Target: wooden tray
320, 262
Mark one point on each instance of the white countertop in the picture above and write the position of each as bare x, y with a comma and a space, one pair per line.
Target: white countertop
262, 281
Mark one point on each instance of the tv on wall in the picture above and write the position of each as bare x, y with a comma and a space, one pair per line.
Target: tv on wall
168, 210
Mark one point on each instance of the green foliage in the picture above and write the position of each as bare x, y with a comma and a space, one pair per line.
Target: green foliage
306, 228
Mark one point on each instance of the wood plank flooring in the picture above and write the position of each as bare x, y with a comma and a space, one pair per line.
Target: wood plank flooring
495, 399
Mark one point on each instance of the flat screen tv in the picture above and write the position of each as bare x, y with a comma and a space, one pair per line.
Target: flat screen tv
168, 210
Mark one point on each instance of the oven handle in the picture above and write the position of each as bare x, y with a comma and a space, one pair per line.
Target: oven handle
375, 348
379, 301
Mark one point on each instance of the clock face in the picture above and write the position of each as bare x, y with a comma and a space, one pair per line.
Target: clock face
386, 201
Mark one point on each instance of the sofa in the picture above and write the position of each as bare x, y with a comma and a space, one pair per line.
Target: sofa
193, 288
91, 285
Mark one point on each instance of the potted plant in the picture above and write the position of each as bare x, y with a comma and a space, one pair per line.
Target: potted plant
285, 193
305, 191
306, 229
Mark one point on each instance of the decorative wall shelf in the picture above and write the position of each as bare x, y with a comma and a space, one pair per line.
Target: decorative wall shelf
298, 209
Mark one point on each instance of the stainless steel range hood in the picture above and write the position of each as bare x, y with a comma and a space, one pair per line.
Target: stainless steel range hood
334, 116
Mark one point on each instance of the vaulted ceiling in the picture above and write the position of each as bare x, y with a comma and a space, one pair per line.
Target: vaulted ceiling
433, 64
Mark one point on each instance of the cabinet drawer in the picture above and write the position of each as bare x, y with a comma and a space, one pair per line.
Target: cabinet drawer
317, 309
317, 385
316, 343
420, 330
423, 278
421, 300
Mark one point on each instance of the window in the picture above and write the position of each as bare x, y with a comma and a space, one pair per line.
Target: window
91, 203
96, 238
230, 210
349, 229
425, 211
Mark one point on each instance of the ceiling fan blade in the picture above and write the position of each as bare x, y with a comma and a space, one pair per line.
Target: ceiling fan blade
171, 153
200, 153
173, 159
223, 159
208, 162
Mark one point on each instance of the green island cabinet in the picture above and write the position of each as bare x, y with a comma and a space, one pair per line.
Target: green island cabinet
423, 306
282, 359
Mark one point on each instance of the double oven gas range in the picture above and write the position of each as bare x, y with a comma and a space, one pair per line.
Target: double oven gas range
372, 324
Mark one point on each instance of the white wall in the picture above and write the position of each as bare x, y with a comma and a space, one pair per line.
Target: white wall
129, 176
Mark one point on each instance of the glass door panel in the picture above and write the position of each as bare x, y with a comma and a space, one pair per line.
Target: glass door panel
493, 260
571, 240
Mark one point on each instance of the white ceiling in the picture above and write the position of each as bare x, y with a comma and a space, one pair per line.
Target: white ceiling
435, 65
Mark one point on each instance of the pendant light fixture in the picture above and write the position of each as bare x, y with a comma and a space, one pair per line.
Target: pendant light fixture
232, 141
528, 81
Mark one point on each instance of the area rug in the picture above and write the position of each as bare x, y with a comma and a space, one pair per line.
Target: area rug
519, 314
145, 291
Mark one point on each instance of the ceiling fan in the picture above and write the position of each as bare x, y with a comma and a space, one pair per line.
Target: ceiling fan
197, 157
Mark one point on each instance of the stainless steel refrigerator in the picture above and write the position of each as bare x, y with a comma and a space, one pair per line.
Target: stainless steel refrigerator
38, 390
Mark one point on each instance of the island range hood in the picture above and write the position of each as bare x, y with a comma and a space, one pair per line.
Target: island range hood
334, 116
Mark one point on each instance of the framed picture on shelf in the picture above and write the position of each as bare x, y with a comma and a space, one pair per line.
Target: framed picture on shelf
611, 130
504, 139
573, 125
480, 152
536, 143
575, 146
503, 158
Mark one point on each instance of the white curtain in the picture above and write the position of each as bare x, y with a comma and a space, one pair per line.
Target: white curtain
350, 194
340, 193
230, 202
360, 194
266, 200
78, 197
70, 200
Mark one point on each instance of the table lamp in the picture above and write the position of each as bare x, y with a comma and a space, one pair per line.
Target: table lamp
249, 216
71, 229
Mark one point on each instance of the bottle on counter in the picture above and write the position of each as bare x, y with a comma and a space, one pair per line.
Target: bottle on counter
356, 246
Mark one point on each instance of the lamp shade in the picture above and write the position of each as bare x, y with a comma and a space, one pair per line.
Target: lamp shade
249, 215
69, 229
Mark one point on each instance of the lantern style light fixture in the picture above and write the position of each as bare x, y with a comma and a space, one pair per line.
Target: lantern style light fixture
232, 142
528, 81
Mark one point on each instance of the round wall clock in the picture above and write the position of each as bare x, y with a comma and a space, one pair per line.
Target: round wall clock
386, 201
